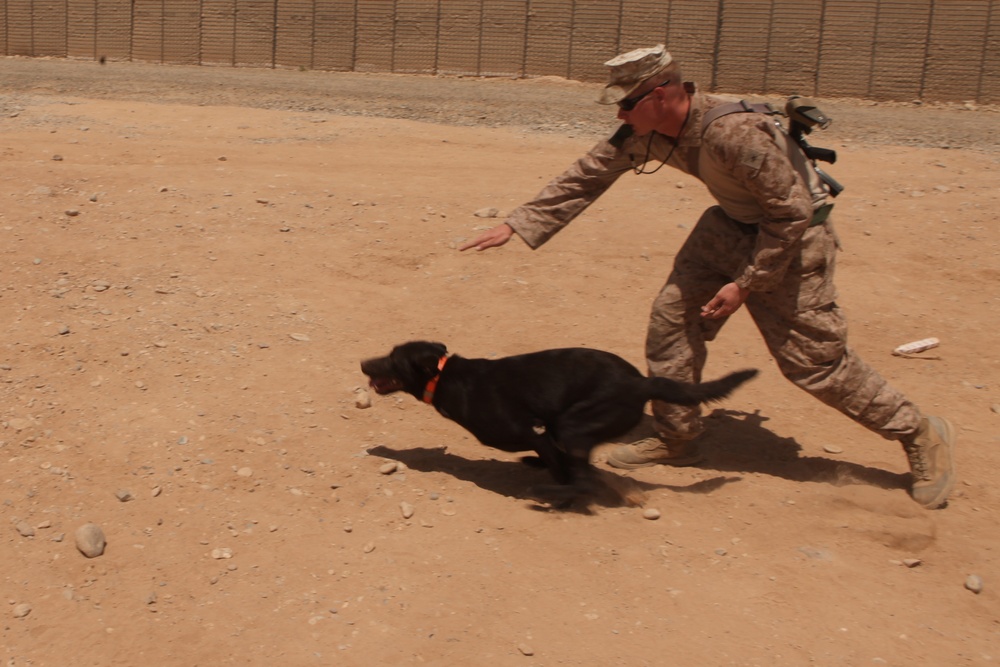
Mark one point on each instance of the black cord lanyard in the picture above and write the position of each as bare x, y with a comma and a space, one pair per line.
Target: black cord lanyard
641, 169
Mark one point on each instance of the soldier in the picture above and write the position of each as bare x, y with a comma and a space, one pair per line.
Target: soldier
768, 243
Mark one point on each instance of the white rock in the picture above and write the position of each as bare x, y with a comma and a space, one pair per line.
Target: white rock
362, 400
406, 509
974, 583
651, 513
22, 610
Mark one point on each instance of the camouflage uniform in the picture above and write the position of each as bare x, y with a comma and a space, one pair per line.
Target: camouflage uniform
759, 236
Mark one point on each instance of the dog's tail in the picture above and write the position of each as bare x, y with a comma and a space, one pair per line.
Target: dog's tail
686, 393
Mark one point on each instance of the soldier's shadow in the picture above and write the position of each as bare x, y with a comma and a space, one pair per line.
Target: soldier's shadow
738, 442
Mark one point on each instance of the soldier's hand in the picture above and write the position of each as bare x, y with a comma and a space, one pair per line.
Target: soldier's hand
725, 302
491, 238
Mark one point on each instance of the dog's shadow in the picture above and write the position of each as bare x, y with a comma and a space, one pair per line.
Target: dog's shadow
736, 443
515, 479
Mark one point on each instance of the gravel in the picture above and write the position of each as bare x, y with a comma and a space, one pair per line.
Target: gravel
545, 104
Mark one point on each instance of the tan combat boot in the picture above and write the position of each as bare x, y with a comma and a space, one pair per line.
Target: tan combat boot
932, 461
652, 451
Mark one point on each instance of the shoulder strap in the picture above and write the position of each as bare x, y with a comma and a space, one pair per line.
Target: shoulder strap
735, 107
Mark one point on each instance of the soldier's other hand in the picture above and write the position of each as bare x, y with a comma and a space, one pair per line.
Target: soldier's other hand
725, 302
491, 238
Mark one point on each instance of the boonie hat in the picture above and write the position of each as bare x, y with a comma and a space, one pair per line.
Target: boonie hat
629, 70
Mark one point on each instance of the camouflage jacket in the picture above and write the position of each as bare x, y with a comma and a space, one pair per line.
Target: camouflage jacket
757, 174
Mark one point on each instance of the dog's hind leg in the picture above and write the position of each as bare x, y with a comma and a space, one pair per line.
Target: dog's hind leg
556, 460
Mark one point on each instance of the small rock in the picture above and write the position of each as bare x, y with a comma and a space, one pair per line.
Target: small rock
388, 468
156, 491
912, 562
124, 495
72, 212
651, 513
406, 509
222, 554
22, 610
370, 547
25, 529
488, 212
301, 337
974, 583
245, 472
18, 424
833, 449
995, 408
90, 540
525, 649
57, 158
362, 400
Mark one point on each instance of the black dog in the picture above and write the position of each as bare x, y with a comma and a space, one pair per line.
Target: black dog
559, 403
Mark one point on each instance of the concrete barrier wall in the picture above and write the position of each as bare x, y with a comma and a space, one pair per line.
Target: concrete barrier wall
934, 50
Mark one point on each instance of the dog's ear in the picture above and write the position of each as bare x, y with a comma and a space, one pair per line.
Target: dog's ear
416, 363
429, 357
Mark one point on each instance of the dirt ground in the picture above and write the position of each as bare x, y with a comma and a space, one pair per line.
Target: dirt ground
193, 262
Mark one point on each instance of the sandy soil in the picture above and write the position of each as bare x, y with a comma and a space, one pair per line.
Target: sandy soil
193, 261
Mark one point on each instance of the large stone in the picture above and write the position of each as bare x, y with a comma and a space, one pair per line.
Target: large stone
90, 540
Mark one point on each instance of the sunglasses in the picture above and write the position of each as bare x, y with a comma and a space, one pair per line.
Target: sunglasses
629, 102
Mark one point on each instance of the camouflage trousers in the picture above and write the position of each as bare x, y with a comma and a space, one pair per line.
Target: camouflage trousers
799, 321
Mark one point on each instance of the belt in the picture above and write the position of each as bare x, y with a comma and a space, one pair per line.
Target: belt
820, 215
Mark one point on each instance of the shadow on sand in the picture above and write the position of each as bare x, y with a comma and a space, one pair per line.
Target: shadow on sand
735, 443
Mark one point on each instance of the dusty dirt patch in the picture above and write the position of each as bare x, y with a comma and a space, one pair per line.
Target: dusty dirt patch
188, 282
